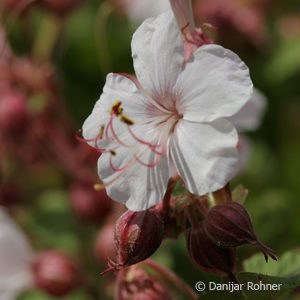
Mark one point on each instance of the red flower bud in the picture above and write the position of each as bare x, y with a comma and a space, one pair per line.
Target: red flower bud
136, 284
229, 225
55, 273
12, 110
138, 235
207, 256
61, 6
89, 204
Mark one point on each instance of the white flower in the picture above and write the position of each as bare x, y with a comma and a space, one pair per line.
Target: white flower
15, 259
178, 116
250, 115
248, 118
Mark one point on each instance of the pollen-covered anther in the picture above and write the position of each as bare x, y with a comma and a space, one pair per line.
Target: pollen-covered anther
101, 132
116, 108
126, 120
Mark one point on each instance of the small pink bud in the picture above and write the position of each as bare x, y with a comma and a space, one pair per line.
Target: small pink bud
12, 110
61, 7
138, 235
55, 273
105, 245
207, 256
89, 204
229, 225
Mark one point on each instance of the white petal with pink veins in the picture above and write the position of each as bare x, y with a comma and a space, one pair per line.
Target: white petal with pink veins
158, 55
204, 155
215, 83
140, 187
117, 88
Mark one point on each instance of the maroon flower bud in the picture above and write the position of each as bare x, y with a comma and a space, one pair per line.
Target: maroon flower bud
138, 285
61, 6
105, 245
55, 273
207, 256
138, 235
229, 225
12, 110
89, 204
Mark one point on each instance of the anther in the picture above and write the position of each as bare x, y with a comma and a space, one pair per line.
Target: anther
126, 120
116, 108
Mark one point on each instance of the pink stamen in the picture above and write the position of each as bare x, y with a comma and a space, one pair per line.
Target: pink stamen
151, 146
148, 165
141, 141
118, 169
185, 27
81, 140
110, 125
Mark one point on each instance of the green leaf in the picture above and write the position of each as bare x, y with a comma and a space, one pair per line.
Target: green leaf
285, 272
287, 265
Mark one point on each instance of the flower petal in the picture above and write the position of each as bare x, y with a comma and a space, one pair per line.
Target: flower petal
16, 257
205, 155
250, 115
158, 54
140, 187
117, 88
215, 83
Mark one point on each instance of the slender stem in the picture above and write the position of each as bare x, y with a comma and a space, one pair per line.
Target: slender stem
172, 277
118, 285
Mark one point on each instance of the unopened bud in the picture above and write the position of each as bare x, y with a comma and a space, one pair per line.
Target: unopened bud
89, 204
229, 225
55, 273
12, 110
138, 235
207, 256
